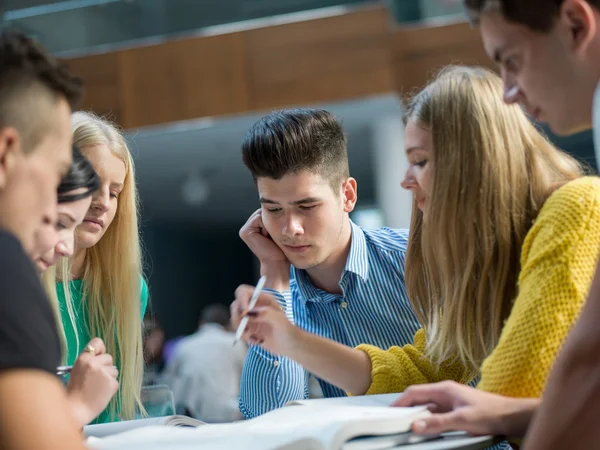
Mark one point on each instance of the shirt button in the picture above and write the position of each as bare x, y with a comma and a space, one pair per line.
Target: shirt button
276, 363
344, 305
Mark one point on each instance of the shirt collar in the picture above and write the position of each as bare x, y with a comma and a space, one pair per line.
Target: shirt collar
357, 263
358, 258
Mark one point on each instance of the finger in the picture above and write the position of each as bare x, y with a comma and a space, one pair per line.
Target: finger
98, 345
267, 300
104, 360
238, 307
234, 315
243, 294
111, 371
251, 224
262, 228
440, 423
440, 394
265, 315
255, 333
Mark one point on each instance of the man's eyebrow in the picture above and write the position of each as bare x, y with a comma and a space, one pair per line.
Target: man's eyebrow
305, 201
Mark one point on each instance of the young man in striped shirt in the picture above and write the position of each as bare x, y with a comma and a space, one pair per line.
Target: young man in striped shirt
333, 278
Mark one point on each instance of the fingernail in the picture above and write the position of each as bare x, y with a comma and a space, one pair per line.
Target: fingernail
420, 426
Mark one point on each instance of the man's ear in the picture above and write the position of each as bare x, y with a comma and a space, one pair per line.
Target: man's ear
349, 194
579, 18
9, 146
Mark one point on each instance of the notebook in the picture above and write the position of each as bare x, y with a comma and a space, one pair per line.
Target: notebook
309, 426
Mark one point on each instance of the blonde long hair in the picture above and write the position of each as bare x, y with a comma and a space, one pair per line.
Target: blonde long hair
493, 171
112, 273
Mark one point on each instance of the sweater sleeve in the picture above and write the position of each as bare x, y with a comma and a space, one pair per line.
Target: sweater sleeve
557, 265
395, 369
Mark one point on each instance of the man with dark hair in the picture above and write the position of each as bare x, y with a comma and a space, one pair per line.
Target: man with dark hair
204, 373
548, 54
345, 283
549, 57
36, 98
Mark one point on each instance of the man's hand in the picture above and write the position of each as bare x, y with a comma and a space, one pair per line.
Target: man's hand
457, 407
273, 262
268, 326
92, 383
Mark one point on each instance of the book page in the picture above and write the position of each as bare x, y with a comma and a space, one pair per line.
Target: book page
329, 426
107, 429
360, 400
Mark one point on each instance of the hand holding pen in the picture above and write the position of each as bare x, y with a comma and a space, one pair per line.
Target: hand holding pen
261, 320
92, 381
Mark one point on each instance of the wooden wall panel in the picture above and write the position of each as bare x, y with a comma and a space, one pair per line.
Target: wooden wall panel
102, 91
312, 62
419, 52
320, 60
183, 79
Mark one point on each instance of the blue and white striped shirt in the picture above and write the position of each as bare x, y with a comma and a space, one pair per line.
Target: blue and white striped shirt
373, 309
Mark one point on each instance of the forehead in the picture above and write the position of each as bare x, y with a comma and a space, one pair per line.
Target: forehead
498, 34
416, 135
294, 186
109, 166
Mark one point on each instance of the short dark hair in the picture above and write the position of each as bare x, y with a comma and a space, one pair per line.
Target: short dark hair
537, 15
216, 313
81, 175
27, 75
293, 140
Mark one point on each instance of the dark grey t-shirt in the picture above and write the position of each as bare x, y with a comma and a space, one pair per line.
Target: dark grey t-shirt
28, 334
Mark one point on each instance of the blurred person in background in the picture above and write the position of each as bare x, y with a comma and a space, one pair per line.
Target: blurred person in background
153, 342
205, 370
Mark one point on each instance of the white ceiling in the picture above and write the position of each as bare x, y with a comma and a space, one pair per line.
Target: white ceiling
165, 156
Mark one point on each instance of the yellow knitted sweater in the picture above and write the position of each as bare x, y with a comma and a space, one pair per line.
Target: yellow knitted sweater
558, 261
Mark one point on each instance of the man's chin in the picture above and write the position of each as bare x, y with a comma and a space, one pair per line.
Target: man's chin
303, 263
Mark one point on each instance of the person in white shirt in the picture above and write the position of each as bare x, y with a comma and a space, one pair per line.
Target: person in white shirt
548, 52
204, 373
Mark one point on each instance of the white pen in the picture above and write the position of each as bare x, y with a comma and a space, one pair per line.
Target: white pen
65, 370
244, 322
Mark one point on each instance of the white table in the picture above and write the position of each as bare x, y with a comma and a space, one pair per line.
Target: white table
451, 441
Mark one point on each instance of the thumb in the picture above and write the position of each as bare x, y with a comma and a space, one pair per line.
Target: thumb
440, 423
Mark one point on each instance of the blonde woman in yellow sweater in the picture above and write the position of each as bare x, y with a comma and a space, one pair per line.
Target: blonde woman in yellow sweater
503, 245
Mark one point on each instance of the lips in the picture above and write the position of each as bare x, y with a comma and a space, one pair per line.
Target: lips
42, 264
95, 222
297, 248
99, 222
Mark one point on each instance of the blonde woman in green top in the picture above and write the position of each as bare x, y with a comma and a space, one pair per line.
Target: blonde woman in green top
100, 289
93, 379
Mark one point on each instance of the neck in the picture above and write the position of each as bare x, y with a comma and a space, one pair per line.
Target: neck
327, 275
77, 264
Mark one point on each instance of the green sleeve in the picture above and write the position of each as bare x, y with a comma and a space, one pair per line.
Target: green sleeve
143, 298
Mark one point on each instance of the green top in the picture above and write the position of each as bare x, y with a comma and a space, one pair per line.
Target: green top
82, 328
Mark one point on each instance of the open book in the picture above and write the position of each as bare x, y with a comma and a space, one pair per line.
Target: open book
359, 400
107, 429
310, 426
